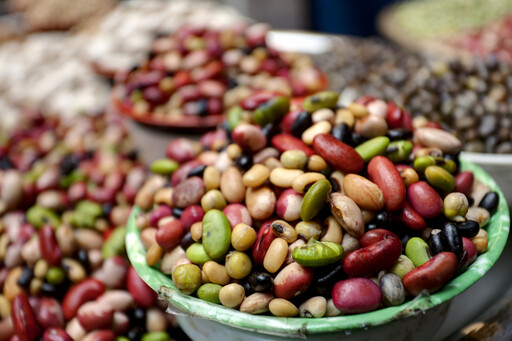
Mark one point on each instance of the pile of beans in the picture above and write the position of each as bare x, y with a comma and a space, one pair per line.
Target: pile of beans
66, 190
198, 71
296, 208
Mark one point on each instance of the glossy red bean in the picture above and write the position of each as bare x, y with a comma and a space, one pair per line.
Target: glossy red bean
284, 142
181, 150
249, 137
383, 173
56, 334
469, 254
49, 313
142, 294
287, 121
292, 280
432, 275
95, 315
23, 318
365, 99
191, 215
424, 199
181, 173
464, 183
356, 295
158, 213
374, 236
48, 245
338, 154
169, 235
374, 258
398, 117
84, 291
236, 214
188, 192
411, 218
263, 241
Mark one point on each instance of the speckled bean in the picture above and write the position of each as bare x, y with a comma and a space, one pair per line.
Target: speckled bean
256, 303
348, 214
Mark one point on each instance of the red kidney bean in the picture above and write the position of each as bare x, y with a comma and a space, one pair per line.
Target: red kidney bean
249, 137
263, 241
371, 259
374, 236
86, 290
424, 199
432, 275
181, 150
340, 155
100, 335
284, 142
56, 334
169, 234
356, 295
191, 215
50, 249
158, 213
469, 254
142, 294
292, 280
383, 173
188, 192
464, 183
181, 173
23, 318
411, 218
236, 214
398, 117
288, 205
120, 323
49, 313
288, 120
113, 272
94, 315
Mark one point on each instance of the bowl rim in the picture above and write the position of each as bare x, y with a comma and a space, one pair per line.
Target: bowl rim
296, 326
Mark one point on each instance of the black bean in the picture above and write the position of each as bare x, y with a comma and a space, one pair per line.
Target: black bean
26, 276
468, 228
5, 163
260, 281
452, 239
177, 212
342, 132
326, 277
490, 202
69, 163
301, 123
83, 258
186, 241
270, 130
399, 134
135, 334
435, 242
244, 162
198, 171
357, 139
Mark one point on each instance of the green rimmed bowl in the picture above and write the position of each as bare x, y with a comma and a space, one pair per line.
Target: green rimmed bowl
418, 319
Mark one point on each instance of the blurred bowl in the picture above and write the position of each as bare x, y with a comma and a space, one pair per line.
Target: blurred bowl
418, 319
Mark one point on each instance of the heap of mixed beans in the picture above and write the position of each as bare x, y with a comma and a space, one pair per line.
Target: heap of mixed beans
297, 207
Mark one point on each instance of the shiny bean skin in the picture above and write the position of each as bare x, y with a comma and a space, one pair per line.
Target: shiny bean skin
383, 173
243, 237
332, 231
256, 176
232, 295
288, 205
374, 236
365, 193
356, 295
260, 202
432, 275
263, 241
411, 218
424, 199
315, 307
392, 288
284, 230
276, 255
231, 185
348, 214
86, 290
292, 280
282, 308
216, 273
257, 303
341, 156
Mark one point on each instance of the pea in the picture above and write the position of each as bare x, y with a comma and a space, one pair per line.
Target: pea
272, 111
55, 275
216, 234
316, 253
373, 147
402, 266
115, 243
209, 292
39, 216
399, 150
238, 265
156, 336
421, 163
187, 278
323, 99
234, 116
314, 199
197, 255
164, 166
417, 251
440, 178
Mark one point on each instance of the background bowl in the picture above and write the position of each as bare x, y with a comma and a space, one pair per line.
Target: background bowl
416, 319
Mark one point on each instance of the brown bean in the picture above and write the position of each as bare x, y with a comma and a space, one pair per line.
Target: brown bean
276, 255
260, 202
256, 303
348, 214
365, 193
216, 273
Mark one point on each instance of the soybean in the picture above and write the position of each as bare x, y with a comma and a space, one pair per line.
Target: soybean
232, 295
216, 234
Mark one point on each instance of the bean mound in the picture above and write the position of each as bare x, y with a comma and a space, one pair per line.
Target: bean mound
305, 208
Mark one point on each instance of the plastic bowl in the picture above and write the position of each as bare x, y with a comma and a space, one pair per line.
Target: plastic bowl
418, 319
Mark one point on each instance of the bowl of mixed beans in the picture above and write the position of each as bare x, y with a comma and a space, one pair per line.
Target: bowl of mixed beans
304, 218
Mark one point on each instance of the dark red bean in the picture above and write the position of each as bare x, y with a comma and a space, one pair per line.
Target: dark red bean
254, 101
142, 294
56, 334
424, 199
338, 154
181, 173
181, 150
464, 183
86, 290
159, 213
49, 313
188, 192
169, 234
236, 214
432, 275
50, 249
292, 280
263, 241
383, 173
411, 218
289, 120
23, 318
374, 236
191, 215
284, 142
469, 254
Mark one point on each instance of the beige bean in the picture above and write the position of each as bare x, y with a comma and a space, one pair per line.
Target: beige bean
478, 214
211, 178
349, 244
213, 199
164, 196
66, 240
35, 286
378, 107
291, 247
365, 193
436, 152
358, 110
142, 220
170, 260
294, 159
234, 151
88, 239
314, 307
302, 182
276, 255
337, 178
51, 199
331, 309
95, 259
324, 114
431, 137
333, 231
156, 321
309, 229
75, 329
145, 196
348, 214
147, 236
344, 116
256, 176
5, 307
283, 229
41, 268
223, 162
316, 163
207, 157
196, 231
282, 308
409, 176
216, 273
264, 154
232, 186
323, 127
154, 254
74, 270
11, 287
371, 126
31, 251
243, 237
478, 191
232, 295
256, 303
260, 202
4, 245
481, 241
272, 163
283, 177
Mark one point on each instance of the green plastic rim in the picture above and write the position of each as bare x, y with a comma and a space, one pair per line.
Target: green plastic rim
497, 229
